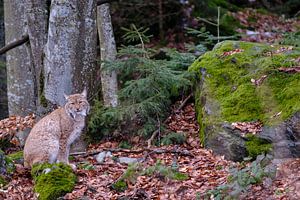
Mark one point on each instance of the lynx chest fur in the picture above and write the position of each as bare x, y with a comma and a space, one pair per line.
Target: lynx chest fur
51, 138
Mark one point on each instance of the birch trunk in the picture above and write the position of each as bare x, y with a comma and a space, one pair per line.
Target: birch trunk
70, 53
20, 74
108, 53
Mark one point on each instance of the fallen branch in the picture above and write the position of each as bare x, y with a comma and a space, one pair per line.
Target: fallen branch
150, 151
14, 44
85, 154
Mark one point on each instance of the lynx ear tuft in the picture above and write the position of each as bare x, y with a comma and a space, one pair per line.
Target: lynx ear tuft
84, 93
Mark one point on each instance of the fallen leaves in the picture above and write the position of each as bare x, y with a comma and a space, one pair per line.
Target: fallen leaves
295, 69
10, 126
266, 27
248, 127
232, 52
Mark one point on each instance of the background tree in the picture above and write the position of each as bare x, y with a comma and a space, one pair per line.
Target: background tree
108, 52
59, 55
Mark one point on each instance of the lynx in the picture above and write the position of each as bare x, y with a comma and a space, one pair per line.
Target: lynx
50, 139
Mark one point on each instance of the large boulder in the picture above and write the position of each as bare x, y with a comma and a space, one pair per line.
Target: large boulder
249, 82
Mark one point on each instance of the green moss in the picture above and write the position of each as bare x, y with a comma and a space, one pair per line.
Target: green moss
16, 156
9, 165
256, 146
180, 176
54, 184
228, 81
3, 182
119, 186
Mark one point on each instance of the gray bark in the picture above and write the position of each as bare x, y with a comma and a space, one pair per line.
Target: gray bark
60, 57
37, 19
108, 53
3, 87
70, 53
20, 84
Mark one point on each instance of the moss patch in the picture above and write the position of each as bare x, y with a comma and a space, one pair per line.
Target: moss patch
3, 181
228, 81
119, 186
256, 146
54, 184
16, 156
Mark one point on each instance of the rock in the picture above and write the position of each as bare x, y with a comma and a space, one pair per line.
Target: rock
101, 156
127, 160
241, 82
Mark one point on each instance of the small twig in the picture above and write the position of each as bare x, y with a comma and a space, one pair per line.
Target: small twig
155, 133
14, 44
160, 151
159, 129
209, 22
184, 103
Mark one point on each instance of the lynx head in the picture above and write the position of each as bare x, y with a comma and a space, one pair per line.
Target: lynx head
77, 105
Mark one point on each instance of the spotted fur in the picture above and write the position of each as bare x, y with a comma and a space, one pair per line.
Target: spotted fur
50, 139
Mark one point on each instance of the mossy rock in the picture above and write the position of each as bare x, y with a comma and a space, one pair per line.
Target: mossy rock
52, 180
226, 94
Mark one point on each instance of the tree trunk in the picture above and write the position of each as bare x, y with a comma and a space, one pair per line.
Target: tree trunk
70, 53
60, 57
20, 74
3, 87
37, 19
108, 53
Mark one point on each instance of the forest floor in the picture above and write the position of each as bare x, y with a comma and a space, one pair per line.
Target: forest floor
204, 170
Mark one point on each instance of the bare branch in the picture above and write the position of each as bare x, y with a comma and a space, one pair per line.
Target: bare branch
14, 44
100, 2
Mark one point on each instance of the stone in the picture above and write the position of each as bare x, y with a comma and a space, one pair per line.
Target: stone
240, 82
127, 160
101, 156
